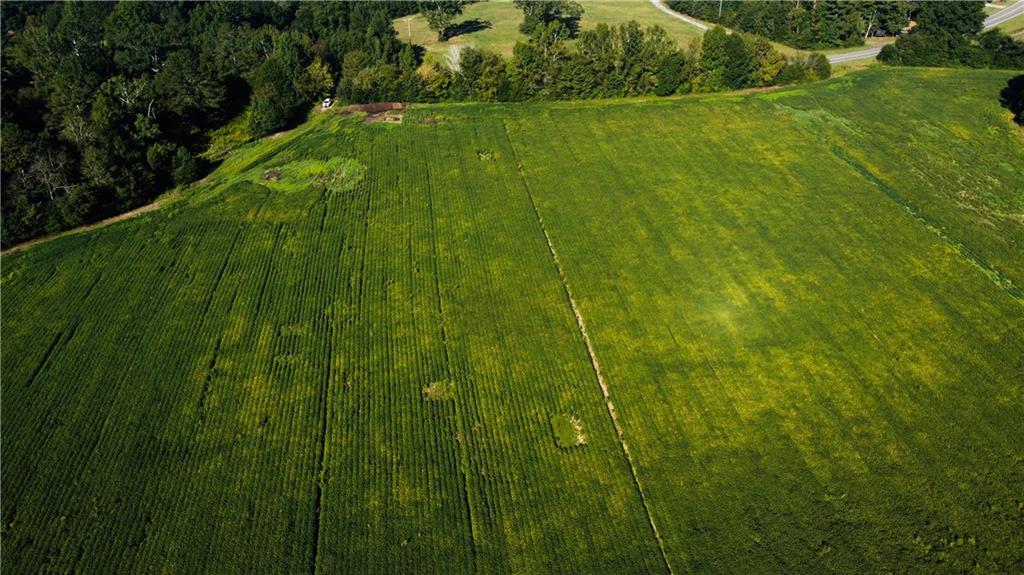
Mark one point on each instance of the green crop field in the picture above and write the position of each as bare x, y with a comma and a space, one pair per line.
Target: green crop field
767, 333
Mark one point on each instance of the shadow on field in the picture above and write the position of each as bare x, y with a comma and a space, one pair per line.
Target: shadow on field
1012, 98
468, 27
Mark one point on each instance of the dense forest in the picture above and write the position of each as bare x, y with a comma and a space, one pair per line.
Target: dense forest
105, 106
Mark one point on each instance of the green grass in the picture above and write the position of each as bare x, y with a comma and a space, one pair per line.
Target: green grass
1014, 27
351, 348
503, 20
227, 138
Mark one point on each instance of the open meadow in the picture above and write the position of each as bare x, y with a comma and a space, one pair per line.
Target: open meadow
494, 25
776, 332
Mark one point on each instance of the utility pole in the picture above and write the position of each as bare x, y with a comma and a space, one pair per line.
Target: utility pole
720, 10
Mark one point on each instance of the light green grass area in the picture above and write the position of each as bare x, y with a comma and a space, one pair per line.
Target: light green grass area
494, 26
1014, 27
500, 21
226, 138
353, 348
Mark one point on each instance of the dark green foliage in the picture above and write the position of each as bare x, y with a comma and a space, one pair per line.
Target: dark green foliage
100, 99
740, 65
537, 13
264, 116
935, 47
440, 14
807, 25
957, 17
537, 65
819, 66
670, 73
809, 69
836, 23
1012, 98
482, 76
713, 61
947, 35
186, 168
1001, 50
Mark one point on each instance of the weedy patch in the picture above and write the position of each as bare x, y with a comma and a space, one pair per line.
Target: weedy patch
568, 430
485, 155
336, 174
439, 390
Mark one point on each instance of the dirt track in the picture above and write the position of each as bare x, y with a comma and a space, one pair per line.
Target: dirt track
155, 205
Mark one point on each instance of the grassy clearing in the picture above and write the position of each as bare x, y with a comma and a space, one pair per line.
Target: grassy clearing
359, 364
494, 25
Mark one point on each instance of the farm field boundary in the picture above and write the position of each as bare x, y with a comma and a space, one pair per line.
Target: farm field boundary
593, 361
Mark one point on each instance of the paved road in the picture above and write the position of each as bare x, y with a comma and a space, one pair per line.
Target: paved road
683, 17
1005, 14
851, 56
992, 21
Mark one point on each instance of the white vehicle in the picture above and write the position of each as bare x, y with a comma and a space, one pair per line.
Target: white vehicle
328, 102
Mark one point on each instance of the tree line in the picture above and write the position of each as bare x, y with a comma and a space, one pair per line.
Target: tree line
950, 34
615, 61
808, 24
104, 105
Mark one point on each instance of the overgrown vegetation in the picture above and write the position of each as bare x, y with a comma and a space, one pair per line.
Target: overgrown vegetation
277, 374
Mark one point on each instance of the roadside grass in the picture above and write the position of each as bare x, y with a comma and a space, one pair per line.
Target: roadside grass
349, 348
1013, 27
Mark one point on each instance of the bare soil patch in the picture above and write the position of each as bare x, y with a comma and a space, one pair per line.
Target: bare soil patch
375, 108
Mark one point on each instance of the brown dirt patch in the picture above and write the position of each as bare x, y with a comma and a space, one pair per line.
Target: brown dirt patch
386, 117
375, 108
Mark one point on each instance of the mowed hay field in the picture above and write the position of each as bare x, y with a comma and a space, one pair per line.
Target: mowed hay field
353, 347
